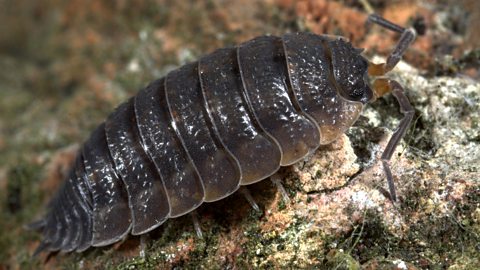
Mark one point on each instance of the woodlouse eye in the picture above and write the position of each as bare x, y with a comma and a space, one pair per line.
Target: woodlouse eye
357, 93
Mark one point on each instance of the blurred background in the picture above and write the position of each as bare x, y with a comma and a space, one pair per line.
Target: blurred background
66, 64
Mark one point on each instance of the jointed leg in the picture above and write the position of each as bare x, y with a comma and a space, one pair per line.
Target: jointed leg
144, 239
196, 224
407, 110
278, 183
249, 198
382, 86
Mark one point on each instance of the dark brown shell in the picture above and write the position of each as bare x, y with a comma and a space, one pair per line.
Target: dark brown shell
230, 119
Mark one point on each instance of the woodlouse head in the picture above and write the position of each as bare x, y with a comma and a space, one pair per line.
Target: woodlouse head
350, 71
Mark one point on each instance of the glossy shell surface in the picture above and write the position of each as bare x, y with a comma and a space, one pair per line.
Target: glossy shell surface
232, 118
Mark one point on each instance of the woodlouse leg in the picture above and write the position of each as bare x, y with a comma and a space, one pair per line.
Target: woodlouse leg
36, 225
144, 238
408, 112
196, 224
407, 37
42, 247
249, 198
277, 182
382, 86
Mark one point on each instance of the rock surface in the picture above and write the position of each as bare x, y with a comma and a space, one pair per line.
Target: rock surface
62, 79
339, 214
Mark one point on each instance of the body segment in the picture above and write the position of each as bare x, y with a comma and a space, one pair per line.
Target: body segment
146, 193
237, 128
216, 167
179, 176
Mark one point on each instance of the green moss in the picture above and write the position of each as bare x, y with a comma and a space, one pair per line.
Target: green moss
289, 248
20, 204
436, 241
138, 263
337, 259
451, 66
281, 205
468, 261
411, 203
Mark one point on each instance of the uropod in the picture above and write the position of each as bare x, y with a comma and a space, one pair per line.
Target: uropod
230, 119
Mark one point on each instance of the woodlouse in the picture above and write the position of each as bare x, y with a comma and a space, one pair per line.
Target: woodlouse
198, 134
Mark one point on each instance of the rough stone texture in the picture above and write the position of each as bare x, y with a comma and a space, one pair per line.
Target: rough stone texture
438, 180
62, 78
340, 208
340, 214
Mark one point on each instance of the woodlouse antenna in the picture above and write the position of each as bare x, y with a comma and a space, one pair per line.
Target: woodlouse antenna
375, 18
407, 37
382, 86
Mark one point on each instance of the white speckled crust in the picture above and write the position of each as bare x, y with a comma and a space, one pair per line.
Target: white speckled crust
336, 198
334, 172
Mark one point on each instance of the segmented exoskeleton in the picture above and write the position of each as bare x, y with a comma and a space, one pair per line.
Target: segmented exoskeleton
228, 120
